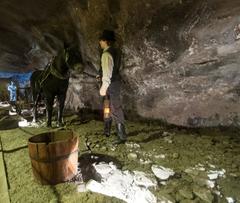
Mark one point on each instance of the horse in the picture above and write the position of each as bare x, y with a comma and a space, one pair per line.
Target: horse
50, 83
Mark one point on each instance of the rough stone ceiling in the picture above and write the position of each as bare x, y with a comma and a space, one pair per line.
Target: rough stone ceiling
21, 25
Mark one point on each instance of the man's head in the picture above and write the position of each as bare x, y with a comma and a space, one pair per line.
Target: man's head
106, 38
12, 81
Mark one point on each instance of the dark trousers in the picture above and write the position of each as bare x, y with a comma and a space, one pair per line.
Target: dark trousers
115, 104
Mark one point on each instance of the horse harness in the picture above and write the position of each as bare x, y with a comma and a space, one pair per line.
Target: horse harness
51, 70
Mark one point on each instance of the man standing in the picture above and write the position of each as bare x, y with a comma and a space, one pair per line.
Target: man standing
110, 88
12, 94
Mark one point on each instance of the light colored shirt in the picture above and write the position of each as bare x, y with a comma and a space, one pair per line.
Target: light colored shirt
13, 92
107, 68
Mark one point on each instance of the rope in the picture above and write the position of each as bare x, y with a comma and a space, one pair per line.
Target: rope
44, 75
58, 75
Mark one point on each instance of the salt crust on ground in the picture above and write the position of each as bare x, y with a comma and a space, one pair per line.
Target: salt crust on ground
129, 186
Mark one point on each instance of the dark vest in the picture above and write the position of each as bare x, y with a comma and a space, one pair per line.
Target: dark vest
116, 55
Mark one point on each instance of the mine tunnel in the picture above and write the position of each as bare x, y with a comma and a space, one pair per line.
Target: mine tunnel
111, 101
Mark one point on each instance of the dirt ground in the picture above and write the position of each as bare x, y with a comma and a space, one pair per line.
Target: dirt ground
193, 154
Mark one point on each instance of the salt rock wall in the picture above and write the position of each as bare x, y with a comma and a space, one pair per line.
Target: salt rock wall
180, 57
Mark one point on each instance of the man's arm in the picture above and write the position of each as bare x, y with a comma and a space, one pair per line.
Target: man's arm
107, 68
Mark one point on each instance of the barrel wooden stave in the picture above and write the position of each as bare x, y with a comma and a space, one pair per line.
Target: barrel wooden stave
56, 161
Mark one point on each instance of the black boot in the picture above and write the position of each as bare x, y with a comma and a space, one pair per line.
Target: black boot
107, 127
49, 119
122, 138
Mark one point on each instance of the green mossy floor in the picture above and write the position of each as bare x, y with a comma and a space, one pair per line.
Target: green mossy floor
148, 144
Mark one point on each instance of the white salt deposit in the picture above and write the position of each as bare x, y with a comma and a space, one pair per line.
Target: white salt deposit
230, 200
164, 200
142, 180
148, 161
218, 193
104, 168
210, 183
163, 183
124, 185
23, 123
160, 156
212, 166
35, 125
4, 104
162, 172
214, 174
12, 113
133, 145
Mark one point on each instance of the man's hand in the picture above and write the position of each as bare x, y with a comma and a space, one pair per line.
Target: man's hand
103, 91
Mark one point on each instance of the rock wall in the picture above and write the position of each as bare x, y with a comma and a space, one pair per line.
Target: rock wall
181, 57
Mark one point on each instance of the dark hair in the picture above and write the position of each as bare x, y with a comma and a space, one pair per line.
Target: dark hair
108, 35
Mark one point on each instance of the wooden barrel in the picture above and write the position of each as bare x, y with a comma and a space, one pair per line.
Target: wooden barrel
54, 156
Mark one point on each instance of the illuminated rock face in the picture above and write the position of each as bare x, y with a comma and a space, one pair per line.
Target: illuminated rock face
181, 58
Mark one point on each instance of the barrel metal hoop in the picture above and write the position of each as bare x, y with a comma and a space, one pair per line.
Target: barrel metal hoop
51, 160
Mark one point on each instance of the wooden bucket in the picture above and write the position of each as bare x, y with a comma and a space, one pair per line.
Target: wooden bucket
54, 156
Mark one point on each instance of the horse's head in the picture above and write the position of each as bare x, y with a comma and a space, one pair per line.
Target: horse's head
66, 58
74, 56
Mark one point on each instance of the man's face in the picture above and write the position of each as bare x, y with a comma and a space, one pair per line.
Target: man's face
103, 44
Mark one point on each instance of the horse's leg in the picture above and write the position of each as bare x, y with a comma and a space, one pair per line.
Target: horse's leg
49, 99
61, 100
35, 106
36, 91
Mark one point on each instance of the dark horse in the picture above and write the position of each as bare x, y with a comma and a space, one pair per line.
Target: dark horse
51, 82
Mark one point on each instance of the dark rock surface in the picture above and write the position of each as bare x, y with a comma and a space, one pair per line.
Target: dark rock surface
181, 57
